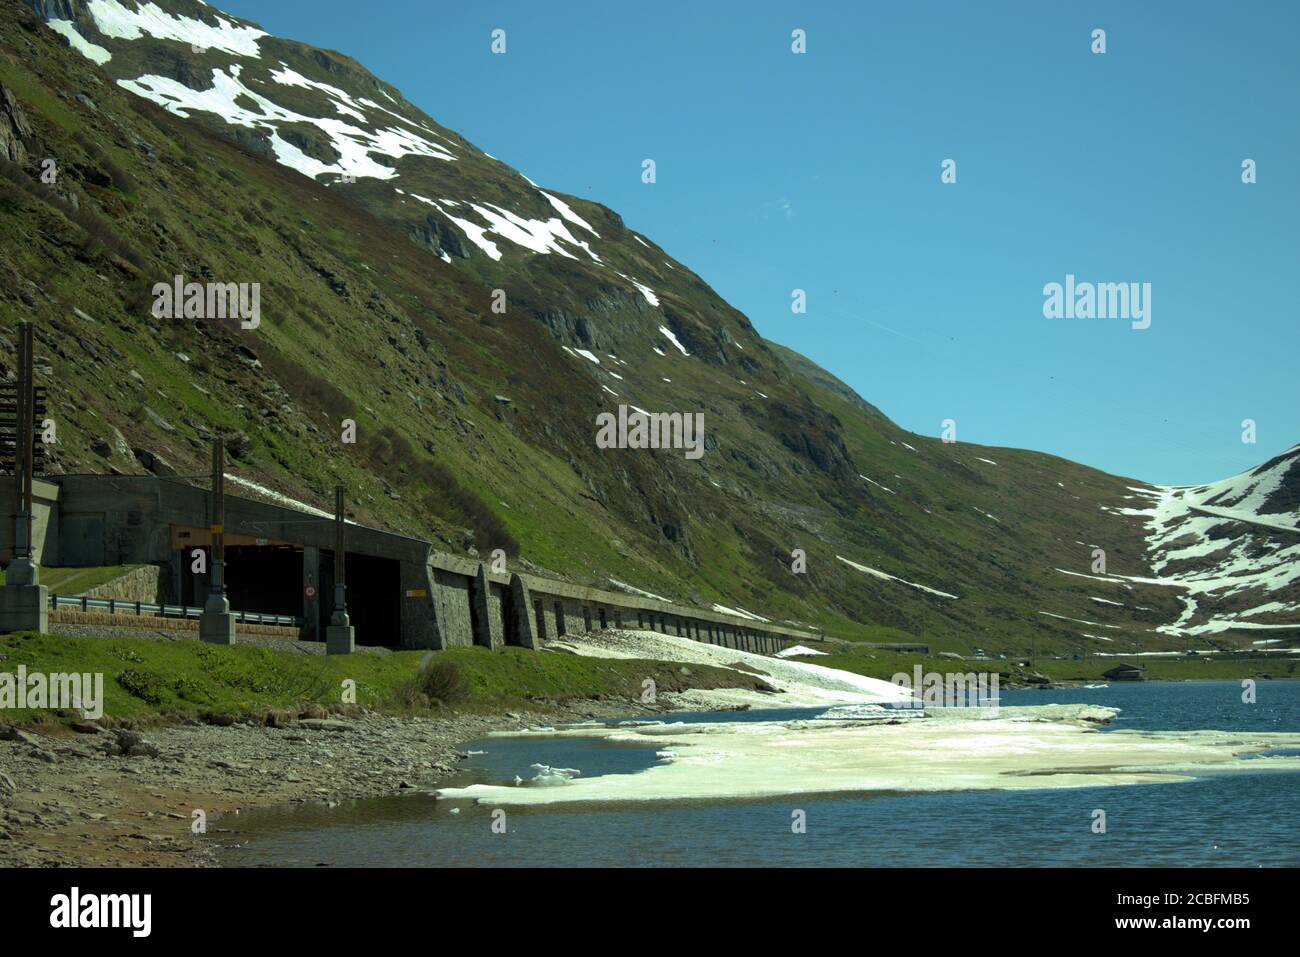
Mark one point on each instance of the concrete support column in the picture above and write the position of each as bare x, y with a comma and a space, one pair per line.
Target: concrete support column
217, 624
24, 607
340, 634
487, 631
311, 596
525, 621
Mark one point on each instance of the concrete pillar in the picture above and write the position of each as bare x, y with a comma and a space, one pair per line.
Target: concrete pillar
217, 623
311, 603
525, 621
549, 621
24, 607
487, 628
340, 639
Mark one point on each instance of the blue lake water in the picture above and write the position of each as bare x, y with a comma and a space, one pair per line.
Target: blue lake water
1238, 820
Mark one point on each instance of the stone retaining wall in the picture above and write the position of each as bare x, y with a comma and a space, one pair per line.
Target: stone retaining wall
475, 606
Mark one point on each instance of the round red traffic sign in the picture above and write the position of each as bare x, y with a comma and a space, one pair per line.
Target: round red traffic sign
309, 591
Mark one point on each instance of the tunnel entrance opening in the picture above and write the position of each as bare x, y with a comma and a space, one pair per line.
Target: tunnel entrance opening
373, 597
265, 578
259, 578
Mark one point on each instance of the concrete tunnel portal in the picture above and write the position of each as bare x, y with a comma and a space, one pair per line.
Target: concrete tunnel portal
274, 577
279, 561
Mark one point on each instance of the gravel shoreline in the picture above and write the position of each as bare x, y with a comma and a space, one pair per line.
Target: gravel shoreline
71, 799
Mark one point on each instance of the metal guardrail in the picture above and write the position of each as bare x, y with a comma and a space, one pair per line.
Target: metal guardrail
142, 608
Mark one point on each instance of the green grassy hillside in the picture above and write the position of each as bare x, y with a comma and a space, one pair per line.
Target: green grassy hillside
475, 427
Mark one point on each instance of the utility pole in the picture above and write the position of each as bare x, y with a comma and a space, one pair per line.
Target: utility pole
23, 567
217, 624
24, 601
340, 636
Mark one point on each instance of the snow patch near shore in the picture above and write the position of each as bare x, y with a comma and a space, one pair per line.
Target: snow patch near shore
800, 684
952, 749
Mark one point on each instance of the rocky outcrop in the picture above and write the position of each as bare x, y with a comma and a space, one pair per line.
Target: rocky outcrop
15, 129
55, 9
438, 237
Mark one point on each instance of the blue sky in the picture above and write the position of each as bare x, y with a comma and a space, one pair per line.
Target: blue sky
821, 171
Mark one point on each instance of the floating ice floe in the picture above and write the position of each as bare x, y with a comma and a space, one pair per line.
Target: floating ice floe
549, 777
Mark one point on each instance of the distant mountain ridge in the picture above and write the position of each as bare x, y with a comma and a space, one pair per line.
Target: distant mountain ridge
192, 143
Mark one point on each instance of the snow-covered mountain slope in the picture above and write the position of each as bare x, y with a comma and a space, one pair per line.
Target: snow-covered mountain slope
1231, 549
324, 116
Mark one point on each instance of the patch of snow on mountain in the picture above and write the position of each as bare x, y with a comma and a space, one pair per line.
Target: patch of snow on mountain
353, 144
117, 21
534, 234
1213, 540
646, 291
737, 612
1080, 621
276, 497
673, 339
797, 651
990, 461
633, 590
473, 231
91, 51
372, 105
343, 102
887, 577
567, 213
877, 484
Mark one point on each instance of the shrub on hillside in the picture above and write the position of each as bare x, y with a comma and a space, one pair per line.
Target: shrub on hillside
144, 685
443, 681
